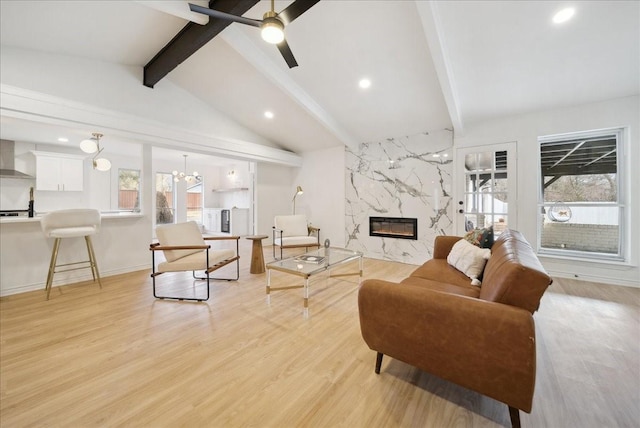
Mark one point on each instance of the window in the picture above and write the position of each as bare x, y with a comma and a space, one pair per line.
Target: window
165, 201
581, 200
195, 201
129, 189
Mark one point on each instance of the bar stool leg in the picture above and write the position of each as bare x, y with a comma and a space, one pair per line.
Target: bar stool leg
92, 260
52, 265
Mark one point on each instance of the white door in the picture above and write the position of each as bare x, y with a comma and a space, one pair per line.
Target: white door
486, 187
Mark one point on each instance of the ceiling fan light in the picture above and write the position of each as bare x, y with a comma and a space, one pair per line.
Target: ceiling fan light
272, 30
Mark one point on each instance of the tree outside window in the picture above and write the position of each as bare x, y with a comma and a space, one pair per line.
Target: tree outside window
129, 189
164, 198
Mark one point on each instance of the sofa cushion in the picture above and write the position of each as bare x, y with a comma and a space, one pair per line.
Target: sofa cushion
438, 285
296, 241
196, 261
469, 259
440, 270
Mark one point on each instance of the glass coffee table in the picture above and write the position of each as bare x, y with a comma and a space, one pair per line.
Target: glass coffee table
313, 263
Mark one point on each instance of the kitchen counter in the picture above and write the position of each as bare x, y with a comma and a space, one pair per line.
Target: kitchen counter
121, 245
105, 216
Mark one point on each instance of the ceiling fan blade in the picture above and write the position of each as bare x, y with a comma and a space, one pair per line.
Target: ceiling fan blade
296, 9
223, 15
285, 50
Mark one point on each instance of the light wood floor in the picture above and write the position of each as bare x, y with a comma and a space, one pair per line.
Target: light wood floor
115, 356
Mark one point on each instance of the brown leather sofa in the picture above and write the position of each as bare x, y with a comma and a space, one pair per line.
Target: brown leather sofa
482, 338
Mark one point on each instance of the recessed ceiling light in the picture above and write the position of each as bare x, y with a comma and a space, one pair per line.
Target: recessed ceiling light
63, 140
364, 83
564, 15
268, 115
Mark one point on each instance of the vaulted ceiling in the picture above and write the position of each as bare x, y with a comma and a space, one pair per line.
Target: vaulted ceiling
432, 65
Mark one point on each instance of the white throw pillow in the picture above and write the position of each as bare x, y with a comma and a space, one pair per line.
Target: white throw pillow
469, 259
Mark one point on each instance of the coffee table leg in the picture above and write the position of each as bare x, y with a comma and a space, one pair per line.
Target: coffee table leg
306, 297
361, 270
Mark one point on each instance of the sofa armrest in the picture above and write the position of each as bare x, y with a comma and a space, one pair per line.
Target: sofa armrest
442, 246
484, 346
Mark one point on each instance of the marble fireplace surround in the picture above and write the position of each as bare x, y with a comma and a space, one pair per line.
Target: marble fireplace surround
409, 176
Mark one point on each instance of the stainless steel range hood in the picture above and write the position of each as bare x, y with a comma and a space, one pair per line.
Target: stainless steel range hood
8, 160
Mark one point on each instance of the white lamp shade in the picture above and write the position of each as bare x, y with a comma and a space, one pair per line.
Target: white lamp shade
89, 146
102, 164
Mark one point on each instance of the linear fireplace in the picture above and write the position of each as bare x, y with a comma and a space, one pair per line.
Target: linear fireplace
394, 227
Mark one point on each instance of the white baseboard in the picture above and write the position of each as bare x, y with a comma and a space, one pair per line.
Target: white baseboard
594, 278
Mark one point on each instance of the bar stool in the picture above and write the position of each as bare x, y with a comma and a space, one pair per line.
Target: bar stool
71, 223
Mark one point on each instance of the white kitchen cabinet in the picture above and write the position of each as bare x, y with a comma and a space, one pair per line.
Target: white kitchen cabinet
59, 172
238, 222
212, 219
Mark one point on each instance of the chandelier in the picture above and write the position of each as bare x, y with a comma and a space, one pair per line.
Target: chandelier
92, 145
177, 176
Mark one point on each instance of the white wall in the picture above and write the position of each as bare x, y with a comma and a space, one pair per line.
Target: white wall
321, 176
525, 129
275, 186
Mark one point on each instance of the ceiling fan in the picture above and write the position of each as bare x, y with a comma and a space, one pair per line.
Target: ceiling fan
272, 24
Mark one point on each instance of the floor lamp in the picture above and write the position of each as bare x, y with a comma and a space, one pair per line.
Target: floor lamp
298, 192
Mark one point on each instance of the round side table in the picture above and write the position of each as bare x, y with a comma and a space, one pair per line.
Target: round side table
257, 257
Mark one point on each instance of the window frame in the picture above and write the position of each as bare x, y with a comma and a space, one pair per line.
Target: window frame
622, 178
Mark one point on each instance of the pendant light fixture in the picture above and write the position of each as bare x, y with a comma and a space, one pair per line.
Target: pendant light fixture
92, 145
177, 176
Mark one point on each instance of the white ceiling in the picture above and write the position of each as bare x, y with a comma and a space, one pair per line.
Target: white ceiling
433, 65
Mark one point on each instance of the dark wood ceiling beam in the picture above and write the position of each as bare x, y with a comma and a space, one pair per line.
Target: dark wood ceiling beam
191, 38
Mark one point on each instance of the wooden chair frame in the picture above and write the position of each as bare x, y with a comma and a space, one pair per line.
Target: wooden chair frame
157, 247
